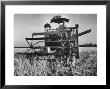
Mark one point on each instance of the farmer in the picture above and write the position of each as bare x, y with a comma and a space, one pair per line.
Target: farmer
48, 44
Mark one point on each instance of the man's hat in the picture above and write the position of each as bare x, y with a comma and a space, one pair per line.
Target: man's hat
47, 25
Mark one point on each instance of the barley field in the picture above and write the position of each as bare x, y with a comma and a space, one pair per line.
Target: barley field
86, 65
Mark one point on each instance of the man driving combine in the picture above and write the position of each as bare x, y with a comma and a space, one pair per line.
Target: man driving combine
54, 37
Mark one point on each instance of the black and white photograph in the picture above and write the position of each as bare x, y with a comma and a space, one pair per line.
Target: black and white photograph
46, 43
55, 44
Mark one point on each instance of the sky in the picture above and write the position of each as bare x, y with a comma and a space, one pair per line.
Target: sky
26, 24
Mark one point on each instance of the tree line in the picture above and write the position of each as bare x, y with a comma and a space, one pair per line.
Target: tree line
88, 45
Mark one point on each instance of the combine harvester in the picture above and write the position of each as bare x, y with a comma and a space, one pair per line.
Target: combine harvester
61, 42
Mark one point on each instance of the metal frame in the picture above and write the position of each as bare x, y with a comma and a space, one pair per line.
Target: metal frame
4, 3
71, 40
